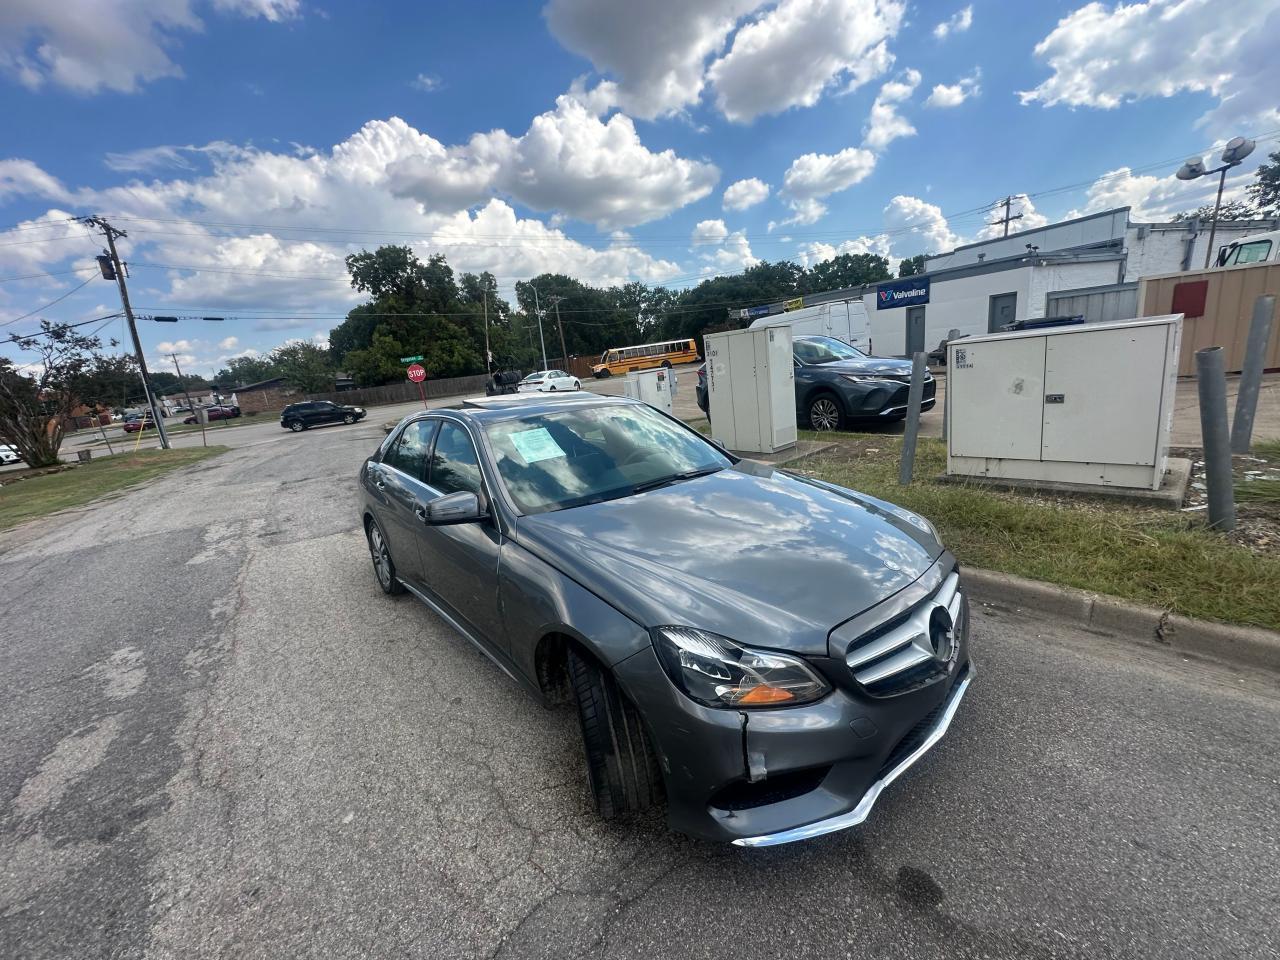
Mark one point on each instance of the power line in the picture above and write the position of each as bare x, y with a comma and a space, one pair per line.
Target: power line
87, 280
50, 273
69, 326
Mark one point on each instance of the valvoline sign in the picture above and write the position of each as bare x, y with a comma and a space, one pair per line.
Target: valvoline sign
902, 293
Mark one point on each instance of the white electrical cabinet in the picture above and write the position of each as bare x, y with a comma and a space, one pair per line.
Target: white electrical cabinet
1090, 404
650, 386
751, 389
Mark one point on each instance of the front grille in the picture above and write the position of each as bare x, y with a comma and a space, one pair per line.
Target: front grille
913, 650
744, 795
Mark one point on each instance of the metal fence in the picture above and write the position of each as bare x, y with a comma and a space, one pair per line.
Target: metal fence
1105, 304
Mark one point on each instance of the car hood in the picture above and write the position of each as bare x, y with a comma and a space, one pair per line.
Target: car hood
871, 366
756, 555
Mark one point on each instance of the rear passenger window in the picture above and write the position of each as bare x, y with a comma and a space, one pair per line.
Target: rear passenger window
454, 466
409, 453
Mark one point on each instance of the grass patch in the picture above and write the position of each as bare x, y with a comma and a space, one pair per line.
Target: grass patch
1157, 557
37, 496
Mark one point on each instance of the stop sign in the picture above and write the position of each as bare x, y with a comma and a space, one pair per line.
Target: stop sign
417, 373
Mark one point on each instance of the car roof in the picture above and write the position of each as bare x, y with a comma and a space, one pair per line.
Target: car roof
510, 406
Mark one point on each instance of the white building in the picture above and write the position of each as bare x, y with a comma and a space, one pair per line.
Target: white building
1087, 265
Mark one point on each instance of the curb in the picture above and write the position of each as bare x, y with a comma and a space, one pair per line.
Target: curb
1240, 646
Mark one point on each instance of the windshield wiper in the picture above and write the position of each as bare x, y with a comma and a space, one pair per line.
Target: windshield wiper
674, 478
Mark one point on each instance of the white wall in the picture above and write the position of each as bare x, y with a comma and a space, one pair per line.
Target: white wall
1164, 247
1099, 228
1068, 276
962, 304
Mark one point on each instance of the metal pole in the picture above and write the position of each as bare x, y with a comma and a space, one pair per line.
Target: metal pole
1251, 376
908, 463
538, 310
1213, 225
564, 351
488, 366
204, 439
104, 436
1212, 383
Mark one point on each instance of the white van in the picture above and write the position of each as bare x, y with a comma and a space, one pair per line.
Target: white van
1257, 248
843, 319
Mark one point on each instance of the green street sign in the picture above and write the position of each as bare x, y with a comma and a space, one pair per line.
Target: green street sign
410, 359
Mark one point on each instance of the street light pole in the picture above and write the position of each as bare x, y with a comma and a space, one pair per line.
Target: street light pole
1217, 205
1233, 155
538, 310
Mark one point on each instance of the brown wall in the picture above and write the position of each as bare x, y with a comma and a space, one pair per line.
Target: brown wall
1228, 294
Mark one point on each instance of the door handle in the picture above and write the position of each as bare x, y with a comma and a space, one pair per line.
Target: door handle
1055, 398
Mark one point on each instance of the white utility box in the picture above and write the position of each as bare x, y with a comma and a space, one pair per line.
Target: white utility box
751, 389
1089, 404
650, 386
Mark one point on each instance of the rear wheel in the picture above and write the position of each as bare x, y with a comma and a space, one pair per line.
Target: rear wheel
667, 364
577, 384
553, 388
825, 413
383, 568
622, 767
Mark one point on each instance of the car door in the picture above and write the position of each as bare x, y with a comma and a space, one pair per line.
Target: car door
398, 490
327, 412
460, 561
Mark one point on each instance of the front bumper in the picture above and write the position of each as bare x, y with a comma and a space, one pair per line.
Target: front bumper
766, 777
883, 399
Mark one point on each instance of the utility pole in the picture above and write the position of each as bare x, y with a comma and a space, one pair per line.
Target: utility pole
111, 233
488, 363
538, 310
1007, 202
190, 406
564, 352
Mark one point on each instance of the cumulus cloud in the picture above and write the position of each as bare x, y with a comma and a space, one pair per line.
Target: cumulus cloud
959, 22
813, 176
945, 96
709, 231
885, 124
1103, 56
790, 55
569, 161
745, 193
1153, 198
228, 343
918, 226
82, 46
732, 254
880, 245
656, 51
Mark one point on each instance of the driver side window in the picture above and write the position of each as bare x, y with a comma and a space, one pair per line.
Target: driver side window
409, 452
454, 465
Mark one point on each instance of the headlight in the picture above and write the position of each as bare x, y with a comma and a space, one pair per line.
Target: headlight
715, 671
858, 378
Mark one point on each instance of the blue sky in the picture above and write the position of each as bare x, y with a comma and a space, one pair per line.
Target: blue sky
248, 145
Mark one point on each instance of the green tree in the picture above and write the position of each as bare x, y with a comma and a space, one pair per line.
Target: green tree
912, 266
241, 371
304, 365
1230, 210
1265, 189
845, 270
36, 403
111, 381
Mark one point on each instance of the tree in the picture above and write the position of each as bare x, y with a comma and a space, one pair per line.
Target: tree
35, 406
1265, 189
304, 365
845, 270
111, 381
1230, 210
911, 266
241, 371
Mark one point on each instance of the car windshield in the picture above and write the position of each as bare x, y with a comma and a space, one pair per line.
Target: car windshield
553, 461
533, 377
824, 350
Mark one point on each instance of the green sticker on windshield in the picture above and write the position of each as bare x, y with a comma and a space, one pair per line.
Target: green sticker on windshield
535, 445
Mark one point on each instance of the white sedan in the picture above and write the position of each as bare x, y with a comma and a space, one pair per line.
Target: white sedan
9, 455
546, 381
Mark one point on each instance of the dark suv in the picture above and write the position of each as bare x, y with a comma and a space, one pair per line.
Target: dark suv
315, 413
837, 384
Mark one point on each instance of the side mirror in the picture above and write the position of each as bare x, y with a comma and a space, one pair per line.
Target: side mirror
460, 507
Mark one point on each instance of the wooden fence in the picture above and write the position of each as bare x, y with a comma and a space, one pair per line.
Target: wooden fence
259, 401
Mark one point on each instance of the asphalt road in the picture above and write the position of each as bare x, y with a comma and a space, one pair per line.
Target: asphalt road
218, 739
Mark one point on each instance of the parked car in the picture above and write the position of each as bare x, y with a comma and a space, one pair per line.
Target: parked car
546, 381
765, 651
837, 384
9, 455
315, 413
135, 424
216, 413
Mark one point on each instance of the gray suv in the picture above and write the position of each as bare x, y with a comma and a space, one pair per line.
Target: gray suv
762, 651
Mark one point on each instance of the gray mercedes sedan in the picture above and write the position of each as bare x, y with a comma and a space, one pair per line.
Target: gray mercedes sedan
761, 651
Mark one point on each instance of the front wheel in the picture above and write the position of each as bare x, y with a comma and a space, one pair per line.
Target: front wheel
622, 767
349, 418
383, 568
577, 384
297, 426
553, 388
824, 413
667, 364
604, 374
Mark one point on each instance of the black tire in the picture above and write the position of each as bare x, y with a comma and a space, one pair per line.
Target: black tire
825, 413
349, 418
577, 384
605, 374
553, 388
622, 767
297, 426
667, 364
384, 568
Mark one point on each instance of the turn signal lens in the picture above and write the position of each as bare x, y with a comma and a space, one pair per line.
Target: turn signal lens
718, 672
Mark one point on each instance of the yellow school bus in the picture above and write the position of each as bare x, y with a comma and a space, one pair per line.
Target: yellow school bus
668, 353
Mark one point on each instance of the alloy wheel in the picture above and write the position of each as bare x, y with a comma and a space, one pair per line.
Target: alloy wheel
381, 559
824, 414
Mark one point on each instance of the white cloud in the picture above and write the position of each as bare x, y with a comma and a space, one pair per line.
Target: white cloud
426, 82
959, 22
1103, 56
918, 226
175, 346
945, 96
812, 176
885, 124
732, 255
1153, 198
569, 161
709, 231
745, 193
790, 55
656, 50
810, 253
86, 46
1030, 219
229, 343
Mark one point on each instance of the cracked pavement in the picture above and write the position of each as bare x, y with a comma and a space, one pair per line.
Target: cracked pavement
218, 739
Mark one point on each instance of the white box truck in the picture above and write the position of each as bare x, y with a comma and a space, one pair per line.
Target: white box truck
844, 319
751, 389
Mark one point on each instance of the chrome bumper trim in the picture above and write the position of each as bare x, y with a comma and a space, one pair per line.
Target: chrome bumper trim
860, 813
